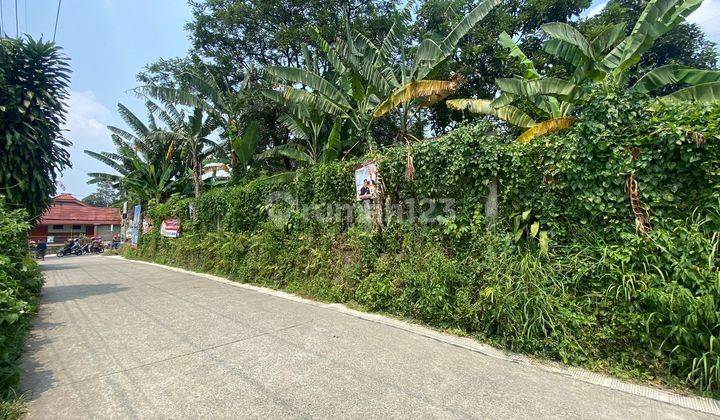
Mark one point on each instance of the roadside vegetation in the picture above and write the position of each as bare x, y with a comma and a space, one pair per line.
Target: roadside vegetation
549, 184
34, 76
20, 283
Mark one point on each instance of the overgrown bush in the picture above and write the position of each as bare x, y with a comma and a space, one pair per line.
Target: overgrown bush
562, 272
20, 283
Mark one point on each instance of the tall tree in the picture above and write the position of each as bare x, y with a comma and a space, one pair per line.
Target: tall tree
188, 138
235, 34
34, 77
607, 60
142, 169
684, 44
479, 59
105, 196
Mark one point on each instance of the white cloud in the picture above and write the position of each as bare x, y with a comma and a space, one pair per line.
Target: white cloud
86, 127
707, 16
86, 122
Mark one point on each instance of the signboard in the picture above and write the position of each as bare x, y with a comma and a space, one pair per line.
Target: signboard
366, 181
135, 226
170, 228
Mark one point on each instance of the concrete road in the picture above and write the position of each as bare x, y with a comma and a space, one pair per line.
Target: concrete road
119, 339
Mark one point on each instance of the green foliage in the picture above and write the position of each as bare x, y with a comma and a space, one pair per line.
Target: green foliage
146, 165
561, 273
604, 61
105, 196
20, 283
34, 77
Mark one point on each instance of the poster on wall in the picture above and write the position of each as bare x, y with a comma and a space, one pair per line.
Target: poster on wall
135, 227
366, 181
170, 228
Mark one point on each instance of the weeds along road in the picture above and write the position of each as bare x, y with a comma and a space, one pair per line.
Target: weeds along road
115, 338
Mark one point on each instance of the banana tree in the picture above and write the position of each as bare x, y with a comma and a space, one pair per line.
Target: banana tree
307, 125
188, 137
310, 97
368, 81
407, 83
142, 170
606, 59
136, 177
526, 86
219, 104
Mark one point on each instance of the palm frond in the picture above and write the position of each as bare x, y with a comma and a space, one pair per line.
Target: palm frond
545, 127
333, 145
466, 24
429, 90
565, 33
506, 41
608, 38
132, 120
673, 74
507, 113
545, 86
316, 82
702, 93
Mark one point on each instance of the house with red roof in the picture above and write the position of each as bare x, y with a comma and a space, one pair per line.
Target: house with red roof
69, 217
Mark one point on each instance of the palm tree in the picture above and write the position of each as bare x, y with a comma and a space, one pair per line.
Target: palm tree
219, 104
605, 60
367, 81
308, 125
136, 177
143, 170
188, 137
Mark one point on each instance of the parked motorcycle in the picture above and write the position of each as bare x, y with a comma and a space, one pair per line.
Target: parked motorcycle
70, 248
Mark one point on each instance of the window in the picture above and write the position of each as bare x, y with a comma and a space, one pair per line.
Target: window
76, 227
58, 227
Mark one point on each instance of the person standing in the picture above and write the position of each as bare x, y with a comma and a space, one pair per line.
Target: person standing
42, 249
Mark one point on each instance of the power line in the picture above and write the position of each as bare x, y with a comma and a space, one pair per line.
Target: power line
17, 27
57, 16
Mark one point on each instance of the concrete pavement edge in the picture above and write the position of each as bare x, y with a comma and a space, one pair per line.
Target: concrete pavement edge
701, 404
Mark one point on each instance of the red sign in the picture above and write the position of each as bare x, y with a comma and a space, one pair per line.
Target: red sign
170, 228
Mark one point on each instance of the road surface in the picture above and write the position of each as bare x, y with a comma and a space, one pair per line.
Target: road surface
122, 339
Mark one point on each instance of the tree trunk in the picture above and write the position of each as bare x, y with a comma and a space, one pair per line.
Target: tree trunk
197, 177
491, 201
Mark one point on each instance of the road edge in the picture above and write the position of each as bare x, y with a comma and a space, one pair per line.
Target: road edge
701, 404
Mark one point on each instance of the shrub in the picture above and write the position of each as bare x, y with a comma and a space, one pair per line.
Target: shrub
562, 272
20, 283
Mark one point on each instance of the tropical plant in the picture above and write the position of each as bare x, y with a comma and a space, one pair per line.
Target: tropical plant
406, 82
105, 195
606, 59
34, 77
369, 81
143, 169
188, 137
307, 125
207, 95
20, 283
310, 98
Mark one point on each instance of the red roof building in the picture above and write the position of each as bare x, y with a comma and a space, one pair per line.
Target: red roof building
69, 217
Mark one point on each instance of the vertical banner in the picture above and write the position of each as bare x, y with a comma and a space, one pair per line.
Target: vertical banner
135, 227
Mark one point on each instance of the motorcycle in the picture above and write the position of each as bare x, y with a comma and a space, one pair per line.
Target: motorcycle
95, 247
70, 249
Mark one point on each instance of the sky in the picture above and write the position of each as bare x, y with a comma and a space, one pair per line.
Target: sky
110, 41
